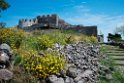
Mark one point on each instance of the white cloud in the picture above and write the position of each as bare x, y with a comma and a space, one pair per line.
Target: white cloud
83, 15
106, 24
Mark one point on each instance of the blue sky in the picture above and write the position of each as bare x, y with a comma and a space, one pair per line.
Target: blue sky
106, 14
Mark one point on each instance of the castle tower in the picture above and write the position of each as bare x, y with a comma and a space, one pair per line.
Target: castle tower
52, 21
55, 20
25, 23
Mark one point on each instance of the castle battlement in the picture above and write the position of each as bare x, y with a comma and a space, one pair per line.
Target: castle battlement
27, 22
52, 20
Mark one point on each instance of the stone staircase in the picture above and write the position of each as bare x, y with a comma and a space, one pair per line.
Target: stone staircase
117, 54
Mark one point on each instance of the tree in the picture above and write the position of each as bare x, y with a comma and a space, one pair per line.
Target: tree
2, 24
110, 36
3, 5
114, 37
120, 30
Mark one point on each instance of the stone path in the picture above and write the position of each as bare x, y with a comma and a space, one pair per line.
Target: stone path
117, 54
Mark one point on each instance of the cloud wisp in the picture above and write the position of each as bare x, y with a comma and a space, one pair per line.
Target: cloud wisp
83, 15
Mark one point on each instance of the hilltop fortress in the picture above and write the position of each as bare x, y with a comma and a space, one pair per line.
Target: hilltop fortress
54, 22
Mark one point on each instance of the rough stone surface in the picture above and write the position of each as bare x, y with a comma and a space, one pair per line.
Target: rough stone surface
55, 79
69, 80
5, 56
5, 74
82, 62
5, 47
109, 76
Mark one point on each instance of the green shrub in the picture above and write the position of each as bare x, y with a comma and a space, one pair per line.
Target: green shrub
44, 42
57, 37
92, 39
64, 37
17, 60
31, 43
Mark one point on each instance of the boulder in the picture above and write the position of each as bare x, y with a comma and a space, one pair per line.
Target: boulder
55, 79
5, 56
69, 80
5, 46
5, 74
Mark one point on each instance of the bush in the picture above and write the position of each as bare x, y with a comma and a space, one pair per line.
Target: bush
12, 36
32, 43
65, 37
93, 39
43, 66
17, 60
80, 37
58, 37
44, 42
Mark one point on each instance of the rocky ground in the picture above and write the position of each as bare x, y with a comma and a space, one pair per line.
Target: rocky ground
83, 64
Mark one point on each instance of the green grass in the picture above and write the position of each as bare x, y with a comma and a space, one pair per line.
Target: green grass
118, 74
108, 61
103, 48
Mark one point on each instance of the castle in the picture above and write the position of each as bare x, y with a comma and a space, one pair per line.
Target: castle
52, 21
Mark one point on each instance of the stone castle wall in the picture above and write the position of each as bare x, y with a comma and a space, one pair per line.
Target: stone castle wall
27, 23
53, 21
86, 30
49, 20
42, 21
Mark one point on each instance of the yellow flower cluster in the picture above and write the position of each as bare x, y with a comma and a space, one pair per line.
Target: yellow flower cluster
42, 67
11, 36
93, 39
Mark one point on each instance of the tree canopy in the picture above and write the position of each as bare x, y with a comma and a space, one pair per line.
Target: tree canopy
114, 37
3, 5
